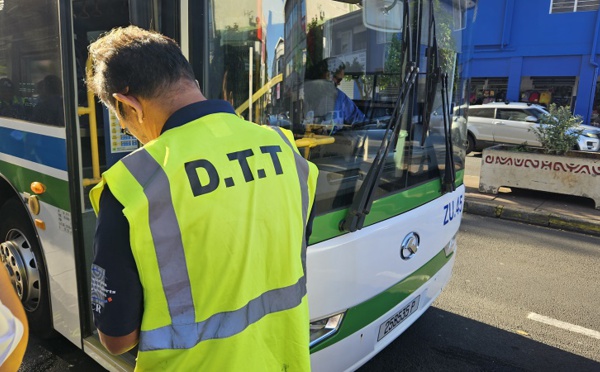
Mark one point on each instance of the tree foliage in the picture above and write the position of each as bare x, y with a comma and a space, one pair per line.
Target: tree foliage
314, 44
557, 131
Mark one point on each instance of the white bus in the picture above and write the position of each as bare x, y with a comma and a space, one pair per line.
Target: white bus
390, 191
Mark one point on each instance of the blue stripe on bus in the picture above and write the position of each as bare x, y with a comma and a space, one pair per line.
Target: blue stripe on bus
38, 148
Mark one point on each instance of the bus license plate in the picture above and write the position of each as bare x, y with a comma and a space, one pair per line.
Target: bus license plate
393, 322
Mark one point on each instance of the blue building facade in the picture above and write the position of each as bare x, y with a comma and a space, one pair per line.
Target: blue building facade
542, 51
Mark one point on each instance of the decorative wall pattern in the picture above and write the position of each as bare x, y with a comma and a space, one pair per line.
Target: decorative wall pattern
556, 166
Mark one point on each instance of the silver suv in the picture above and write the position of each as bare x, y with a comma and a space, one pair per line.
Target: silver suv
499, 122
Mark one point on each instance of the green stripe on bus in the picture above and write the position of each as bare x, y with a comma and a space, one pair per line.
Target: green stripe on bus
358, 317
327, 226
57, 190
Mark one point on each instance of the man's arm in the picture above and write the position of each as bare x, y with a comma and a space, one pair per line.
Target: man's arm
117, 295
9, 298
352, 114
309, 223
120, 345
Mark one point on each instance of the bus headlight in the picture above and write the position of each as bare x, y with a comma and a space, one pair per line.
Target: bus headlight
450, 247
324, 328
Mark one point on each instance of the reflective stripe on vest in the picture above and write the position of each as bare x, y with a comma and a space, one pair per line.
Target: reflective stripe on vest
184, 332
302, 167
162, 218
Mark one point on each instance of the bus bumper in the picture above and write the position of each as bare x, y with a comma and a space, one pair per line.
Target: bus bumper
358, 348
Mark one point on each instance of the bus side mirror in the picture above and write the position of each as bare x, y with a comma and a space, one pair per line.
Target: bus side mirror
383, 15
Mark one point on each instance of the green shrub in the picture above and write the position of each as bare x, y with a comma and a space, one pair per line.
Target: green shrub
558, 131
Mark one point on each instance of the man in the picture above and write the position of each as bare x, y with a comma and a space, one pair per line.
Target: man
323, 96
14, 331
48, 109
200, 240
343, 103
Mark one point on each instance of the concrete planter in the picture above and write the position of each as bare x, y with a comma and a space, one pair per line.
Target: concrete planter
575, 173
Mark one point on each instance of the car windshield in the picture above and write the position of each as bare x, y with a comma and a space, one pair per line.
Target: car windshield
537, 112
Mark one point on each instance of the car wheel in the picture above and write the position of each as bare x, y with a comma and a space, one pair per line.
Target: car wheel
470, 143
21, 254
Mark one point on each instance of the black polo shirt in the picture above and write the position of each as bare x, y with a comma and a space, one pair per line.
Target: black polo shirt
116, 290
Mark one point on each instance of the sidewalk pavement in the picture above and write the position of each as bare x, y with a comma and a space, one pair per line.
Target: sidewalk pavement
534, 207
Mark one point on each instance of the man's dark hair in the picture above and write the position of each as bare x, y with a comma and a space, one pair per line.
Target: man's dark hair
134, 61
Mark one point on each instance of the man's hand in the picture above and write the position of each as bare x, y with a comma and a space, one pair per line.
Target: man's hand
120, 345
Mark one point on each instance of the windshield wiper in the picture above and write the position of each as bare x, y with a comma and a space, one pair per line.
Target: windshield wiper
432, 74
361, 205
435, 76
448, 183
363, 200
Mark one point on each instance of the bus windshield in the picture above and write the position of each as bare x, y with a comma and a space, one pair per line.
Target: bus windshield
314, 67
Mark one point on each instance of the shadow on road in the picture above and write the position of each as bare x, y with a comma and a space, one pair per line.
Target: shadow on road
443, 341
56, 355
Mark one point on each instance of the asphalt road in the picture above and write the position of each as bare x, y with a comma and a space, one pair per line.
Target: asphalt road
56, 355
521, 298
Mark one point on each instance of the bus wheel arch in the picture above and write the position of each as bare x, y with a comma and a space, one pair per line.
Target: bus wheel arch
7, 191
21, 253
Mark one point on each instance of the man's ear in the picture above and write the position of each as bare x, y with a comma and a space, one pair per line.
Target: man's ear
132, 102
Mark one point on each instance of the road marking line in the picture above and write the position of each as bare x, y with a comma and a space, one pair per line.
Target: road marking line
564, 325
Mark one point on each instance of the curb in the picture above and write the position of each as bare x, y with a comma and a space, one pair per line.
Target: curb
538, 218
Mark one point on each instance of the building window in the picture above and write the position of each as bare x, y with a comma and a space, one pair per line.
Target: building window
344, 40
569, 6
360, 41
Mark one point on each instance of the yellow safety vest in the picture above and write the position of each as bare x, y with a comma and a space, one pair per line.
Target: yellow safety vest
217, 210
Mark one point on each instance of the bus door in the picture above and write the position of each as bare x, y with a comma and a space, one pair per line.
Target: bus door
102, 142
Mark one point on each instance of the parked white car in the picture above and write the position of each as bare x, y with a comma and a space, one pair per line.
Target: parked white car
499, 122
